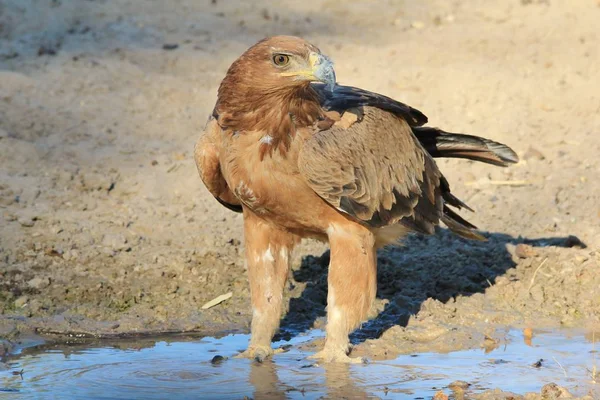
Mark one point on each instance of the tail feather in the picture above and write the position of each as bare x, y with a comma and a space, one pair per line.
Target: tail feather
449, 198
456, 145
460, 229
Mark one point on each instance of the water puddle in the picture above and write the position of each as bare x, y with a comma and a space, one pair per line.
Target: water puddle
175, 368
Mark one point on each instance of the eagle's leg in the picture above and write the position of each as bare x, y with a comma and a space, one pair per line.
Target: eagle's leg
268, 250
352, 285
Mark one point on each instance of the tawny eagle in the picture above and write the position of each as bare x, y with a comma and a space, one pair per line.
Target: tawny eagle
301, 156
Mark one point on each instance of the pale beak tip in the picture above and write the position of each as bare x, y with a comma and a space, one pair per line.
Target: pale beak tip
325, 73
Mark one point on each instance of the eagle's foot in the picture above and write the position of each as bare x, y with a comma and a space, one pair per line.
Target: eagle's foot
337, 356
260, 353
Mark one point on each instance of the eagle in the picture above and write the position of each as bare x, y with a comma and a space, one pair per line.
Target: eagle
301, 156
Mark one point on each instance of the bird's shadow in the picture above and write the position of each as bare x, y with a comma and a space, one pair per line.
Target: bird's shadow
442, 266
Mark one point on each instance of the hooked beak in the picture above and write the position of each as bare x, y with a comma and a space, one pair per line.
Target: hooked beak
322, 69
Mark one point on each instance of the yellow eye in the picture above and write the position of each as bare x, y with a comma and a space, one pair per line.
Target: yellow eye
281, 60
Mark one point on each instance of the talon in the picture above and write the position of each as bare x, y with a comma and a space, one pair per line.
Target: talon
258, 353
337, 356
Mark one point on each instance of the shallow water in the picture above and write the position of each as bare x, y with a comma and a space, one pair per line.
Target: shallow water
175, 368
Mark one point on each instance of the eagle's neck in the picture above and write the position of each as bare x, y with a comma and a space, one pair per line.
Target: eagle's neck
278, 113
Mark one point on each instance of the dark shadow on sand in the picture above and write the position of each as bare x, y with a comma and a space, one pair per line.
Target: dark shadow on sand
442, 266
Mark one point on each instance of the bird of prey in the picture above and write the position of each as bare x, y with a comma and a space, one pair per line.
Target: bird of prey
304, 157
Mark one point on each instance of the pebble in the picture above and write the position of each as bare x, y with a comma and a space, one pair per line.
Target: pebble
533, 153
71, 255
440, 396
524, 251
459, 385
216, 360
21, 302
418, 25
114, 241
26, 222
38, 283
9, 216
501, 281
553, 391
580, 259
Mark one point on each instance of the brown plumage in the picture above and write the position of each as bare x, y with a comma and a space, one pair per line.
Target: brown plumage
337, 163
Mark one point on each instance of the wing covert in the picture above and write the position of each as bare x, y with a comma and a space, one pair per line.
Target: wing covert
376, 171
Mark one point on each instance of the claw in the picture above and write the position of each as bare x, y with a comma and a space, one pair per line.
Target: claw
338, 357
258, 353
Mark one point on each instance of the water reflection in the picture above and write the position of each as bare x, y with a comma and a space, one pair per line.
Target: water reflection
180, 369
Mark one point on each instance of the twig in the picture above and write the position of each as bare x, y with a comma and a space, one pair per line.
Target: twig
594, 371
217, 300
561, 367
498, 183
535, 274
510, 183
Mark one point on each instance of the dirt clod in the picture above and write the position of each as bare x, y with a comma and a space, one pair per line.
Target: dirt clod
524, 251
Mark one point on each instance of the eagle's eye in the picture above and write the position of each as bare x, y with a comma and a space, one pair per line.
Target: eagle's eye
281, 60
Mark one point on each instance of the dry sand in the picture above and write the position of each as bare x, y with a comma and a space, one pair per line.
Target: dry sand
106, 229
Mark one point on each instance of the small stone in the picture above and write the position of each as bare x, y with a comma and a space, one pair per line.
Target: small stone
417, 24
462, 385
501, 281
26, 222
440, 396
71, 255
524, 251
21, 302
53, 252
114, 241
9, 216
580, 259
553, 391
533, 153
216, 360
38, 282
35, 306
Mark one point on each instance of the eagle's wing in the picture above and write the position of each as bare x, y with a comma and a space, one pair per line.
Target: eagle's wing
206, 154
437, 142
342, 98
377, 171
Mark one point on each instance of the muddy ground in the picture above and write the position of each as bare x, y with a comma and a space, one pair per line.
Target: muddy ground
106, 229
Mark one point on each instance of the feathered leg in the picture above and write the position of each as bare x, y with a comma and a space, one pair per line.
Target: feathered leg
268, 250
352, 285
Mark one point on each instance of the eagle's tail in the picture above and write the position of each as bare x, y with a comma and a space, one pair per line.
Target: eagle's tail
456, 145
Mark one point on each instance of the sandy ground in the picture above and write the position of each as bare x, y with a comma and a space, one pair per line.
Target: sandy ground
106, 229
